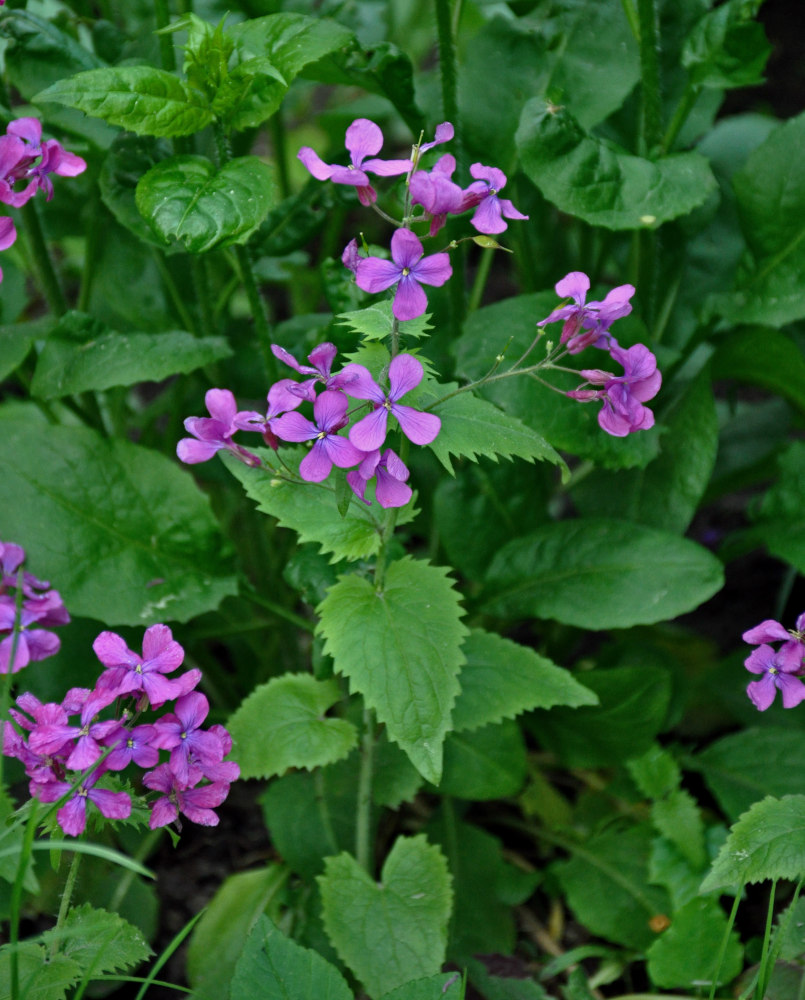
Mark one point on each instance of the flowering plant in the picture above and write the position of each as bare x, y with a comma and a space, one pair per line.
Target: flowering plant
411, 432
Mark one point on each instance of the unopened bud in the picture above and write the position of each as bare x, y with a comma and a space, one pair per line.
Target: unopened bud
489, 244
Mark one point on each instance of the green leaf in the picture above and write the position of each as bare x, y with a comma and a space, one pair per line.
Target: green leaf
727, 48
598, 574
395, 778
99, 941
217, 945
666, 493
309, 509
142, 99
79, 357
286, 41
374, 323
744, 767
766, 843
472, 426
16, 340
632, 710
606, 882
273, 967
487, 763
126, 533
129, 158
401, 649
395, 930
778, 519
770, 193
764, 357
594, 180
186, 199
501, 679
678, 819
281, 724
445, 984
655, 772
687, 953
42, 976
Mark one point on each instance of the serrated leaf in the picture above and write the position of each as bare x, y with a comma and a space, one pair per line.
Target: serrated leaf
744, 767
687, 953
127, 534
606, 882
472, 426
310, 510
594, 180
598, 573
142, 99
390, 932
274, 967
189, 200
77, 364
41, 976
677, 818
501, 679
217, 944
281, 724
655, 772
766, 843
445, 984
375, 321
486, 763
401, 649
99, 941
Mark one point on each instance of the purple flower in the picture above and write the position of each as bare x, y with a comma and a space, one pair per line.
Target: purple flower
391, 489
407, 269
84, 740
181, 734
131, 746
330, 415
405, 373
32, 643
214, 432
483, 192
778, 669
363, 139
772, 631
623, 395
436, 193
282, 396
7, 236
72, 816
195, 803
588, 323
444, 133
128, 673
24, 156
321, 362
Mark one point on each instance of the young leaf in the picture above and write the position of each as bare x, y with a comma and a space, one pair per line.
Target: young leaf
374, 323
395, 930
678, 819
401, 648
99, 941
727, 48
598, 182
187, 199
501, 679
42, 976
142, 99
127, 534
687, 952
766, 843
281, 724
598, 574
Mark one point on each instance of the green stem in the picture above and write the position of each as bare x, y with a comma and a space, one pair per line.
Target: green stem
186, 318
92, 242
447, 62
8, 678
45, 273
262, 328
632, 18
363, 815
680, 116
277, 609
481, 277
764, 973
66, 899
725, 941
278, 137
204, 307
784, 593
15, 904
650, 74
167, 54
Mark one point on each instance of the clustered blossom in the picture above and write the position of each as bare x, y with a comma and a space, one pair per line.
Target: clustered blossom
58, 742
586, 324
781, 668
26, 165
41, 609
329, 392
434, 191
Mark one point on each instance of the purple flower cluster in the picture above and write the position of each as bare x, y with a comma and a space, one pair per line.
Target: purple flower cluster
26, 163
329, 394
781, 668
66, 739
436, 193
586, 324
41, 609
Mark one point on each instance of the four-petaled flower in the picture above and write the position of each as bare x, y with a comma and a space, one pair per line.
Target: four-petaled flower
215, 432
391, 489
779, 670
408, 269
483, 192
623, 395
330, 415
587, 323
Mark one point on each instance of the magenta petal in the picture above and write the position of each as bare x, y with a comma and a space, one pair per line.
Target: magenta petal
342, 452
386, 168
330, 410
112, 651
72, 816
161, 649
421, 428
373, 274
433, 270
405, 373
163, 812
574, 285
762, 692
316, 465
792, 690
357, 381
363, 138
314, 163
29, 129
390, 492
768, 631
406, 248
409, 299
7, 233
221, 404
370, 433
322, 357
191, 452
487, 218
294, 427
509, 210
192, 710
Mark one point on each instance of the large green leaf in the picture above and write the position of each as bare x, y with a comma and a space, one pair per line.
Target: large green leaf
188, 200
129, 158
727, 48
42, 975
395, 930
122, 531
764, 357
486, 763
16, 340
81, 356
778, 519
598, 182
766, 843
142, 99
400, 647
282, 724
274, 967
687, 953
598, 573
501, 679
